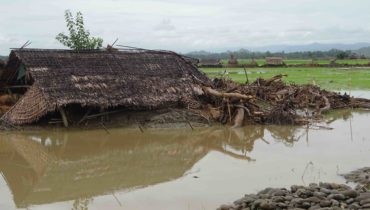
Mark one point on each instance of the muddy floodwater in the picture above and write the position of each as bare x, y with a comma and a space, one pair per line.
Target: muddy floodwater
174, 168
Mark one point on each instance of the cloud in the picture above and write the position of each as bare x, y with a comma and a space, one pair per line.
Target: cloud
165, 25
189, 25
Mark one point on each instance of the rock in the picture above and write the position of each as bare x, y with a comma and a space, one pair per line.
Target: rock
267, 205
282, 205
246, 199
325, 190
363, 196
338, 197
319, 194
349, 201
257, 202
304, 193
325, 203
278, 199
314, 207
288, 198
323, 196
313, 199
354, 206
334, 202
279, 192
365, 201
350, 193
305, 205
265, 191
226, 207
325, 185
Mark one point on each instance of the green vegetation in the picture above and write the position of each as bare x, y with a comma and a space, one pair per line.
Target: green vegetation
307, 55
78, 38
328, 78
305, 61
354, 61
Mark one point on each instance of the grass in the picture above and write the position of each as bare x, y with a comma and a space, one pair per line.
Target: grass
297, 62
327, 78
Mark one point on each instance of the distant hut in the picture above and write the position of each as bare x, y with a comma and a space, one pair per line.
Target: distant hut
215, 63
274, 61
253, 63
333, 62
232, 60
354, 56
99, 79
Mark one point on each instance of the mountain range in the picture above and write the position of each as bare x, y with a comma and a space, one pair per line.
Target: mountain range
309, 47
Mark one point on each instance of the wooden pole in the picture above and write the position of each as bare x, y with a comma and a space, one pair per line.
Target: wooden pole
64, 117
246, 75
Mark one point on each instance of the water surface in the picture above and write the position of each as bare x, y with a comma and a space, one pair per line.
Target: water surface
174, 168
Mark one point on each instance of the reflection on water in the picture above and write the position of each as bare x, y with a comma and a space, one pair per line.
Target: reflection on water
77, 166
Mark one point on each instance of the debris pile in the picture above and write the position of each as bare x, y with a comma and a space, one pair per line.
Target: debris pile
315, 196
272, 101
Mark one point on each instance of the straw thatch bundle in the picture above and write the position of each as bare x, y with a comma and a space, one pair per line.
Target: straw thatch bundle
132, 79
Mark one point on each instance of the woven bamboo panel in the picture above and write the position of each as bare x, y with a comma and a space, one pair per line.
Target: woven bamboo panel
31, 107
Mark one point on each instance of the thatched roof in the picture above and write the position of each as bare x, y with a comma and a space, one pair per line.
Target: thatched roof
210, 62
133, 79
274, 60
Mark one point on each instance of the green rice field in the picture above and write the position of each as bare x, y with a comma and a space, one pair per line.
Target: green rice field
299, 62
328, 78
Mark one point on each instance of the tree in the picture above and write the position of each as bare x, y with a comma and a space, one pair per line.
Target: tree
78, 38
342, 55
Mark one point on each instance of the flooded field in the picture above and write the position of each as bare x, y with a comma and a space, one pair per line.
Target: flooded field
174, 168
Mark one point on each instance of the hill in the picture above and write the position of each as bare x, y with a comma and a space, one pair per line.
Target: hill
364, 51
310, 47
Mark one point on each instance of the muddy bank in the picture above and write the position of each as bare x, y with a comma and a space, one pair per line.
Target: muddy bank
314, 196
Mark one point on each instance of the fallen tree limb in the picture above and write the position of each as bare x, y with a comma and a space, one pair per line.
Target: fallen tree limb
216, 93
245, 108
274, 78
326, 101
239, 118
327, 105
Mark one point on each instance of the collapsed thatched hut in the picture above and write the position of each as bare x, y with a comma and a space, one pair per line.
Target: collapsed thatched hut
232, 60
51, 80
213, 63
274, 61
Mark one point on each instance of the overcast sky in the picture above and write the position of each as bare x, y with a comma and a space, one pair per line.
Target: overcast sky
188, 25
